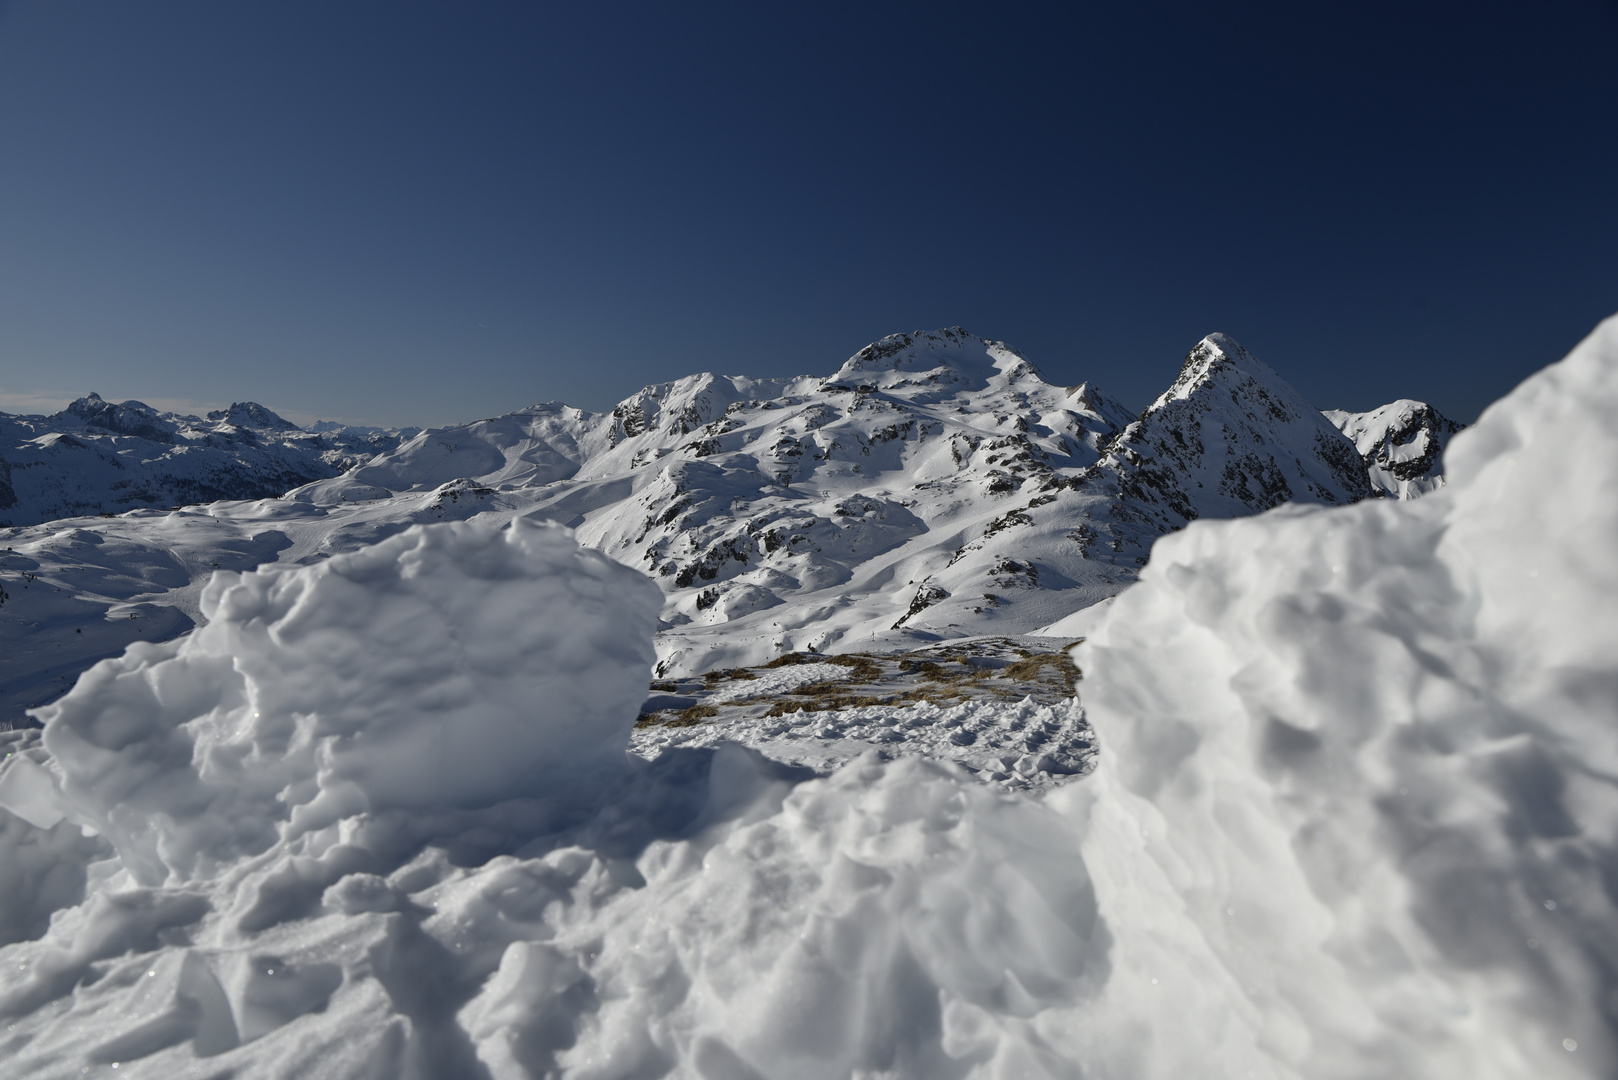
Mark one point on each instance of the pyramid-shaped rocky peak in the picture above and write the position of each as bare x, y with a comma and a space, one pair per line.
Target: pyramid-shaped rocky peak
1221, 359
1229, 437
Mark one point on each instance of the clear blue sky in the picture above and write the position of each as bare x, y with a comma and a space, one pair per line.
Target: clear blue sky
426, 213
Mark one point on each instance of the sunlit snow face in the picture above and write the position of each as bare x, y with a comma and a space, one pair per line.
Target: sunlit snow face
448, 666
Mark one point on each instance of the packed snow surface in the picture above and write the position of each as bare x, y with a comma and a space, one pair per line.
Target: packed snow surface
1354, 815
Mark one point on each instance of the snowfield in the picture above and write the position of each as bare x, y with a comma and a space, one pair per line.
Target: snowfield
1353, 815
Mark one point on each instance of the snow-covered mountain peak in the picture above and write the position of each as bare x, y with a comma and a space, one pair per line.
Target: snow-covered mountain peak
250, 414
101, 457
1402, 444
950, 359
1220, 359
125, 418
1229, 438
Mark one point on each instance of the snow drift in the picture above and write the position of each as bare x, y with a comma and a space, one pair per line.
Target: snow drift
1354, 816
1371, 755
444, 667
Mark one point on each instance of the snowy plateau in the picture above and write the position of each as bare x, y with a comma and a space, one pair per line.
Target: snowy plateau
736, 733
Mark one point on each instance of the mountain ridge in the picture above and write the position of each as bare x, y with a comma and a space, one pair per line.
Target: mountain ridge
102, 457
934, 486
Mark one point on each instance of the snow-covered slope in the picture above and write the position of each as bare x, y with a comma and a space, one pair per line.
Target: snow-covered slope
1354, 815
97, 457
1402, 444
935, 486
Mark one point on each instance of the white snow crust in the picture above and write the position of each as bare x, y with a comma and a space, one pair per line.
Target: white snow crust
1354, 815
1020, 745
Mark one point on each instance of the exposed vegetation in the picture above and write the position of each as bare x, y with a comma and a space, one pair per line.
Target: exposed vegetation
946, 674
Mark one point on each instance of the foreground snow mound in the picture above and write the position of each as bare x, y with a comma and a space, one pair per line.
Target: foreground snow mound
1372, 758
447, 666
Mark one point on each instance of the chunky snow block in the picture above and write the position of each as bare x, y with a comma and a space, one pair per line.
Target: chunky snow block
449, 666
1367, 757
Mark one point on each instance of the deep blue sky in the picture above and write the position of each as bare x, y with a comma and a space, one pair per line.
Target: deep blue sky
427, 213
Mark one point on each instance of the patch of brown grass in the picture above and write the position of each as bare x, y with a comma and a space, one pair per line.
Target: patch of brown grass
819, 689
826, 703
862, 668
715, 677
692, 716
1034, 669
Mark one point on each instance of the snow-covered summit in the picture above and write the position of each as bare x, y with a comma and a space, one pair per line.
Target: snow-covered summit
1230, 437
945, 360
1402, 444
250, 414
135, 418
1216, 357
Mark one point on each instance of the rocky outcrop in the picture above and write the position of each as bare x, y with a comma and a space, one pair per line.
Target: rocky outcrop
1400, 444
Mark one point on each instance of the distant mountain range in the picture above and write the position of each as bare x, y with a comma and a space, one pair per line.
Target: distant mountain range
101, 457
934, 486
